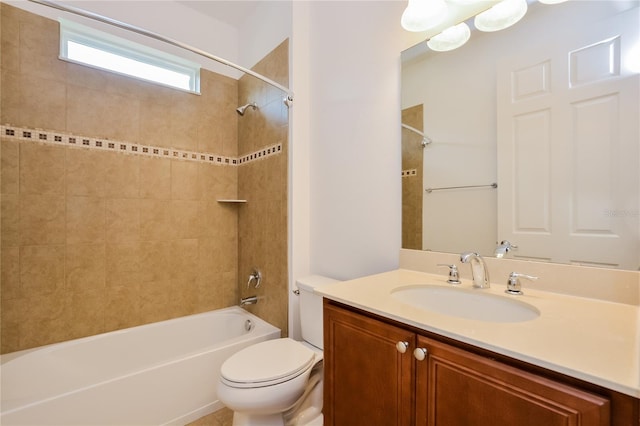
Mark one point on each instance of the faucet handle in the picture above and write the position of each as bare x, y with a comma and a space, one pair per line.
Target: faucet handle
503, 248
507, 245
513, 284
255, 276
454, 277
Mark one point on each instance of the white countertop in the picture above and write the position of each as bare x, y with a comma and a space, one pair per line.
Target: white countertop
589, 339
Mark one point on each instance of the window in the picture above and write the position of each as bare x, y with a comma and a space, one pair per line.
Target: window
90, 47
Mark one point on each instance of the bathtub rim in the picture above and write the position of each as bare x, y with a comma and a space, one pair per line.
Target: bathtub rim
6, 358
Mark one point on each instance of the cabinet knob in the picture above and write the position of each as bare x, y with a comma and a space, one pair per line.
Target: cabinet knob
402, 347
420, 353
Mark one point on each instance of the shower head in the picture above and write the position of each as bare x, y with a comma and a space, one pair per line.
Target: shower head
243, 108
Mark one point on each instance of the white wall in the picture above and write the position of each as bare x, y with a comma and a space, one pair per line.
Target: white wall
345, 188
355, 164
299, 159
267, 27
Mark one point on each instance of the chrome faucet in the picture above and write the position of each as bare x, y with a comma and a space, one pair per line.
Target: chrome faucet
251, 300
479, 271
255, 277
454, 277
514, 286
503, 248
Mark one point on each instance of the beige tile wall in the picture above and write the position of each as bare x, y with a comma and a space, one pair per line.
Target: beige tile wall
94, 241
262, 227
412, 159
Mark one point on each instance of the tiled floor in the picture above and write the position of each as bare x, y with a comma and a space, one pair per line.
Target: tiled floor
223, 417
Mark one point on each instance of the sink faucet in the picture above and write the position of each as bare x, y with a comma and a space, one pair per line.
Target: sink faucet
479, 271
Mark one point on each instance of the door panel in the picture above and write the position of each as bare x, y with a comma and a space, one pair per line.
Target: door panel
568, 155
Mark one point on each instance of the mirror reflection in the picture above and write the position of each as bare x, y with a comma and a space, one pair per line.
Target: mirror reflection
532, 138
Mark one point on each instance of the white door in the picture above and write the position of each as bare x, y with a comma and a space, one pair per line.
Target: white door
568, 154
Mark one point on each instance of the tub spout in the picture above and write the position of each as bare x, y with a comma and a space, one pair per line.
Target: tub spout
251, 300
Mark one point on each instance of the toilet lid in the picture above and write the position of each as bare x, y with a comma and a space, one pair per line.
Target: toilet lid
267, 363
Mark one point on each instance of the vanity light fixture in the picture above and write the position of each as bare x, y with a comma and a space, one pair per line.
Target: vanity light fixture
420, 15
501, 16
451, 38
463, 2
488, 16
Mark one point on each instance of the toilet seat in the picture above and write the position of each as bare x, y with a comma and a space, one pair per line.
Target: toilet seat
267, 363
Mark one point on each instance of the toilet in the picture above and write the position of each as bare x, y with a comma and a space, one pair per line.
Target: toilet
279, 381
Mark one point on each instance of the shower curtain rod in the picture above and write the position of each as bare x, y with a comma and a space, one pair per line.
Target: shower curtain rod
123, 25
413, 129
426, 140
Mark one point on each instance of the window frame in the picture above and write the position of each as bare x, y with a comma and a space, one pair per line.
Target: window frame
73, 32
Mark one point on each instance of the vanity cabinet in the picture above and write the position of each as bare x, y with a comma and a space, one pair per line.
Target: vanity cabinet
367, 380
370, 379
457, 387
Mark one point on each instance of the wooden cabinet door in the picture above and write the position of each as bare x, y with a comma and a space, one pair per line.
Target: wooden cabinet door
457, 388
367, 380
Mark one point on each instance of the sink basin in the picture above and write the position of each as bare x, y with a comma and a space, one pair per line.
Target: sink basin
466, 303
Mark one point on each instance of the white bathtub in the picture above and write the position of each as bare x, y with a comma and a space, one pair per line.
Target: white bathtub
155, 374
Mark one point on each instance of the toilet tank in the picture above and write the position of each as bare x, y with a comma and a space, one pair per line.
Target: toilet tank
311, 308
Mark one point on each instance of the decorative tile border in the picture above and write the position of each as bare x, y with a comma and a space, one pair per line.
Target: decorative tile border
57, 138
410, 173
264, 152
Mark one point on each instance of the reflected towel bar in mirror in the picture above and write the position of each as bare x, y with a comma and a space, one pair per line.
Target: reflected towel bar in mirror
430, 190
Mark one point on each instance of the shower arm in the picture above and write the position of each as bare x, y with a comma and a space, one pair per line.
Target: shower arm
96, 17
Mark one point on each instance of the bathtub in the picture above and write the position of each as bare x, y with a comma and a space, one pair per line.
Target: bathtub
155, 374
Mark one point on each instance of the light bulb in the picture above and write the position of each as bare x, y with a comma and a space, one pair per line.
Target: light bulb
501, 16
551, 1
465, 2
420, 15
451, 38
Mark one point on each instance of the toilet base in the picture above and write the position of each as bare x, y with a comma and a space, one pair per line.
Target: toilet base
244, 419
306, 411
310, 417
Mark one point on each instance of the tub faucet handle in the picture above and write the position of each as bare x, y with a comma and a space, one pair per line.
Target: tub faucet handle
255, 276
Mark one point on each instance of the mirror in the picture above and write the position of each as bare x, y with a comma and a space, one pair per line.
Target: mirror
546, 110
